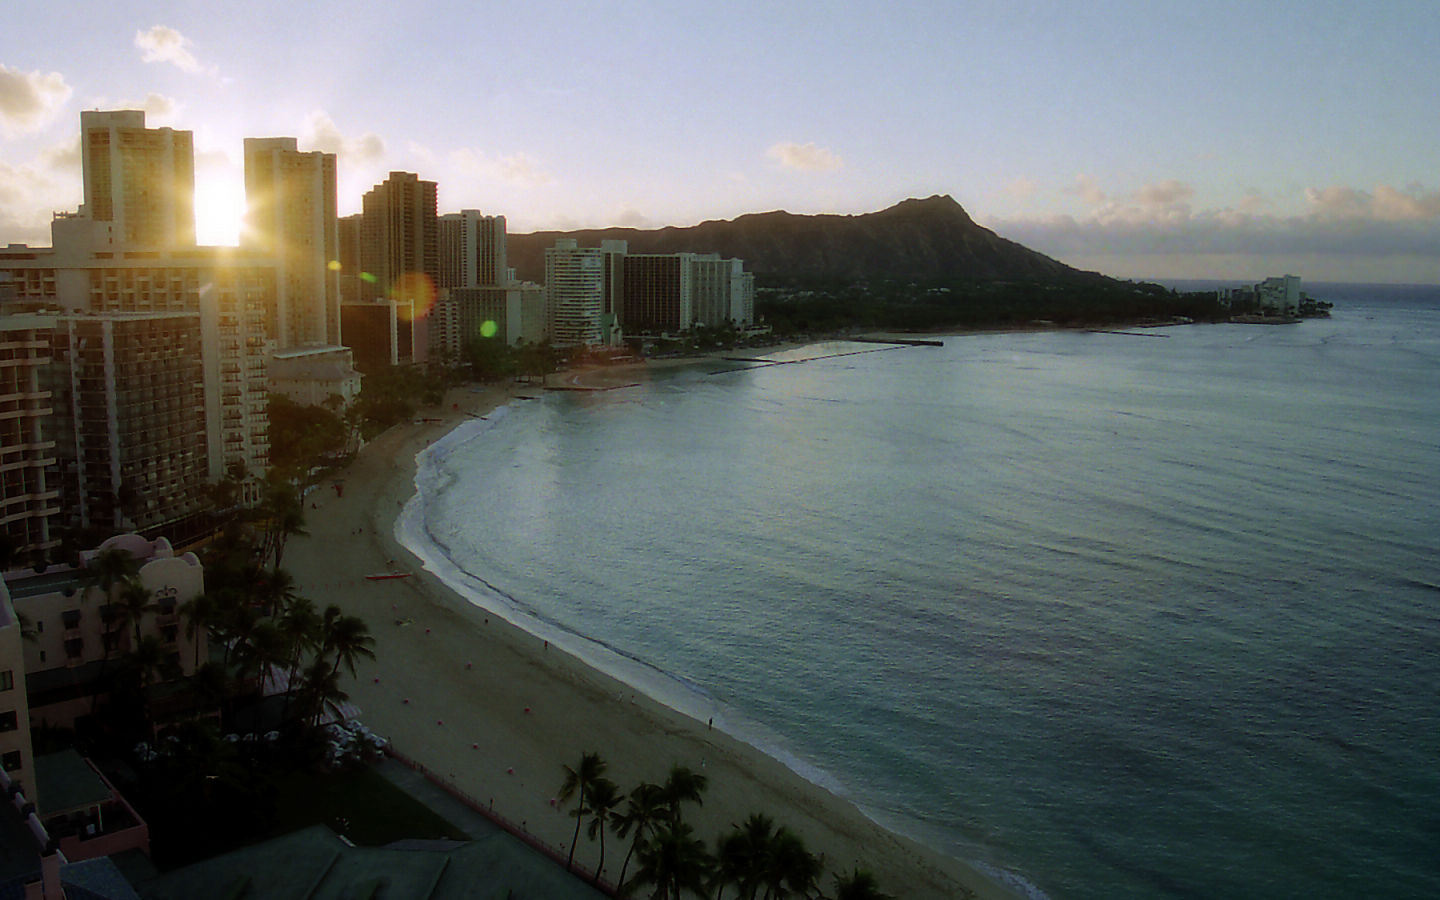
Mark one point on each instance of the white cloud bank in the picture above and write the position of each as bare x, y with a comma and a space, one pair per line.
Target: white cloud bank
1348, 227
806, 157
29, 100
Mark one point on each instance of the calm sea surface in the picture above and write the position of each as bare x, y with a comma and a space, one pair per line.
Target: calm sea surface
1147, 616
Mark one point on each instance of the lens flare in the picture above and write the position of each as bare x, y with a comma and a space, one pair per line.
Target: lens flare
417, 288
333, 265
488, 328
368, 278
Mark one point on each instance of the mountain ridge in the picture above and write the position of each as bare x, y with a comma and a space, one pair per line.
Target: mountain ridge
933, 237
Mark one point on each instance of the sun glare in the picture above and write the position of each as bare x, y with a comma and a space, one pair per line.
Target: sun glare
219, 211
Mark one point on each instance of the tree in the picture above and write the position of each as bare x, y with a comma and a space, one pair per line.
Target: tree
789, 869
645, 808
858, 885
300, 626
276, 590
134, 604
579, 780
110, 568
741, 855
349, 638
683, 785
321, 689
604, 797
199, 612
674, 861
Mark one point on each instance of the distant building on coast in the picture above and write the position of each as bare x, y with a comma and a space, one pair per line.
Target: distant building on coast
598, 296
582, 292
1278, 295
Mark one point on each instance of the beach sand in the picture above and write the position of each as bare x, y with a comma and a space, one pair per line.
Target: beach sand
497, 712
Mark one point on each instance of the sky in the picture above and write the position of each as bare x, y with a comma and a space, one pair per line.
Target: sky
1160, 139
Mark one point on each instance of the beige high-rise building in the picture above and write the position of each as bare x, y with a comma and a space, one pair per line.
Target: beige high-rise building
399, 241
291, 218
141, 181
472, 250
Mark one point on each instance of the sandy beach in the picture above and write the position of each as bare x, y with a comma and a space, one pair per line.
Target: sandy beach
498, 712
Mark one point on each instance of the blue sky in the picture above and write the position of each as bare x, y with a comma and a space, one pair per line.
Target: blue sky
1143, 139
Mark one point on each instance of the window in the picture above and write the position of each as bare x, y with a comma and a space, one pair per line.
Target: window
8, 721
71, 618
74, 648
7, 679
11, 760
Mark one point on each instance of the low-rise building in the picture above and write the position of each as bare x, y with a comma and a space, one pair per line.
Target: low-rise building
310, 376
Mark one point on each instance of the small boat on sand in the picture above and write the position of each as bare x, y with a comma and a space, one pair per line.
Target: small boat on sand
385, 576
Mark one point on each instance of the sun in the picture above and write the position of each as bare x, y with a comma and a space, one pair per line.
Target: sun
219, 212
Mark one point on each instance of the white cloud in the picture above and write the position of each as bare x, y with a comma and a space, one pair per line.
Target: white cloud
1385, 203
1087, 189
28, 196
516, 169
630, 217
321, 133
161, 43
1341, 222
29, 100
806, 157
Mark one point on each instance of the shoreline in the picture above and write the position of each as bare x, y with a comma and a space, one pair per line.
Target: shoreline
498, 710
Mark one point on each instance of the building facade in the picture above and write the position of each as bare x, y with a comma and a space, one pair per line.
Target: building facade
131, 441
582, 292
29, 492
291, 218
399, 241
140, 181
472, 250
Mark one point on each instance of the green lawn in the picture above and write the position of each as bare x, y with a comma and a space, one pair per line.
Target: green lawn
377, 811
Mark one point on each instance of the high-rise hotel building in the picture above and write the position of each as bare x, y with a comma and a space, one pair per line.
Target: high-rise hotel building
399, 239
291, 217
141, 181
582, 292
125, 280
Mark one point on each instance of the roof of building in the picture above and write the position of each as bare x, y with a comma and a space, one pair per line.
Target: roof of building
65, 782
315, 863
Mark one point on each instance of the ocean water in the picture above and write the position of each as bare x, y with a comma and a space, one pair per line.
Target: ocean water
1150, 615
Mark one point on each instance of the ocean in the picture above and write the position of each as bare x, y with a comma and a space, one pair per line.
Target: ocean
1142, 615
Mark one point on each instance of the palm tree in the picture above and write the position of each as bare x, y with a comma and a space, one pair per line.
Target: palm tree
348, 637
645, 808
277, 590
742, 854
284, 517
789, 869
683, 785
673, 860
111, 567
604, 797
300, 627
134, 605
199, 612
580, 779
321, 688
858, 885
264, 651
